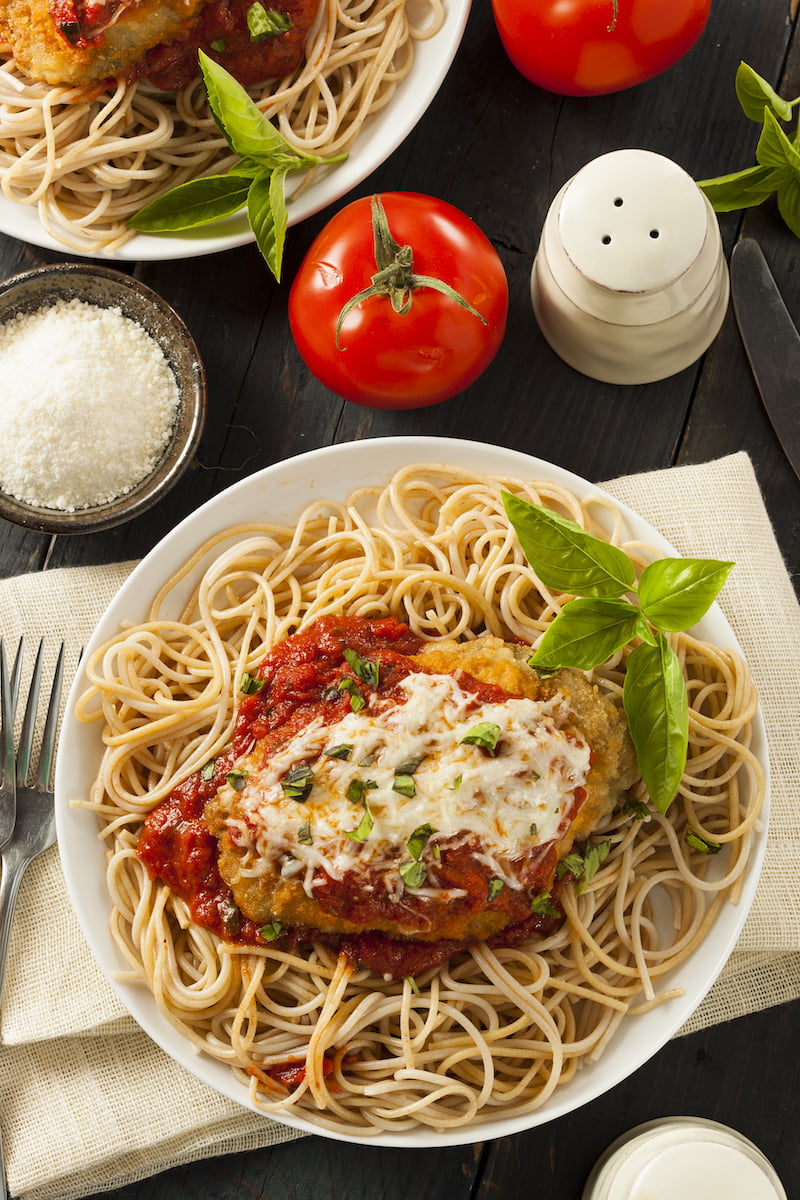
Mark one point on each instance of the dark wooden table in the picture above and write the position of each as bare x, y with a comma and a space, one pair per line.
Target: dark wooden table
499, 148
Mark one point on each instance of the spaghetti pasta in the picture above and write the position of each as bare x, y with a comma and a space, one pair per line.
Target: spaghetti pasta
492, 1032
89, 158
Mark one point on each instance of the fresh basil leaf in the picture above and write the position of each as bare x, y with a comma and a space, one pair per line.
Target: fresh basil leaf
774, 148
674, 593
409, 766
572, 864
654, 698
236, 778
788, 198
304, 834
755, 94
244, 126
742, 189
419, 840
365, 669
207, 769
266, 212
595, 854
484, 734
565, 557
188, 205
587, 632
270, 931
413, 874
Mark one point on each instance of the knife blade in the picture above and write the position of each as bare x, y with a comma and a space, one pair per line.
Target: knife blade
771, 341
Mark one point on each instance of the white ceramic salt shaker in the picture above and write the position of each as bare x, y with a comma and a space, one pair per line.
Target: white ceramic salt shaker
686, 1157
630, 283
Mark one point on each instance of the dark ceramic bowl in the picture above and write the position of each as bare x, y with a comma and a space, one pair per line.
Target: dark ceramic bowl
108, 288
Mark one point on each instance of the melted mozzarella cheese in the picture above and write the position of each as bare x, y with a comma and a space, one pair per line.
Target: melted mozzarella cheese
509, 801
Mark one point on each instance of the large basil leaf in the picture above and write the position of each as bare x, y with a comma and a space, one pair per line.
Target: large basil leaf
245, 127
755, 94
565, 557
654, 697
587, 632
675, 593
194, 203
266, 211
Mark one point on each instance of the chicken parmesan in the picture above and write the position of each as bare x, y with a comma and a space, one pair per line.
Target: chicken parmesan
400, 799
87, 42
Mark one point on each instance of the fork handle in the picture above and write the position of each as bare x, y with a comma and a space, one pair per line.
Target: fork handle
11, 872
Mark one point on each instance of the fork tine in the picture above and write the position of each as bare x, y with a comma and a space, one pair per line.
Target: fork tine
51, 725
29, 720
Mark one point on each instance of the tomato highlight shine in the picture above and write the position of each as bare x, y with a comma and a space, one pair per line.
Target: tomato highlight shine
592, 47
433, 347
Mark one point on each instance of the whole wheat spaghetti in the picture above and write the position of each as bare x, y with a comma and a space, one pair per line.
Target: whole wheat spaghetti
493, 1032
89, 158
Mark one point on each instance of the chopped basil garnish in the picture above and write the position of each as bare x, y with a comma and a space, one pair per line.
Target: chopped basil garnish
367, 760
583, 864
357, 787
698, 842
304, 835
495, 888
534, 829
419, 840
207, 770
367, 670
636, 808
265, 23
343, 751
409, 766
404, 784
298, 783
218, 45
484, 735
365, 825
413, 874
456, 784
250, 684
350, 686
236, 778
543, 906
270, 931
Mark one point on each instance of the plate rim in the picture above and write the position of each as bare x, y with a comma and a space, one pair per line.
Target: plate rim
137, 998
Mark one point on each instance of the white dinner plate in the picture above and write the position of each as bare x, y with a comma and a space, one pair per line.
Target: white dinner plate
379, 137
277, 495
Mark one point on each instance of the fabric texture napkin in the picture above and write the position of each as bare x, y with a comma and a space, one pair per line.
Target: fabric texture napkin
78, 1078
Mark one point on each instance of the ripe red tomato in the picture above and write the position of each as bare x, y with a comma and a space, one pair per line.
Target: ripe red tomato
588, 47
425, 345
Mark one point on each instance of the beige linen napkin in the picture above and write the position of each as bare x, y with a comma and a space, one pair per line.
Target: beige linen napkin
77, 1078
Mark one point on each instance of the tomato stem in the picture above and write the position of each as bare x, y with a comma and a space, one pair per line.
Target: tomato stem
395, 276
610, 28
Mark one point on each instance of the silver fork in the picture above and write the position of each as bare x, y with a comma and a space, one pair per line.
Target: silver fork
33, 826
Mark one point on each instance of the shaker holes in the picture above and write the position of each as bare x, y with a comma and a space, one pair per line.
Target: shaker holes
654, 233
618, 202
606, 240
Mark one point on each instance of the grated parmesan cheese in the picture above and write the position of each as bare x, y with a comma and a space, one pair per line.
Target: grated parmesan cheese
87, 405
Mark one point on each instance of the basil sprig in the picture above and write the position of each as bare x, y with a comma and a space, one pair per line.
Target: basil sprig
777, 167
672, 594
258, 181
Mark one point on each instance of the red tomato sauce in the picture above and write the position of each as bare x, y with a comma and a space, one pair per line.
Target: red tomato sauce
299, 681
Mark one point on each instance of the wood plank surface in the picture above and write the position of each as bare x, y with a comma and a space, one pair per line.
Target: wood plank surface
500, 149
